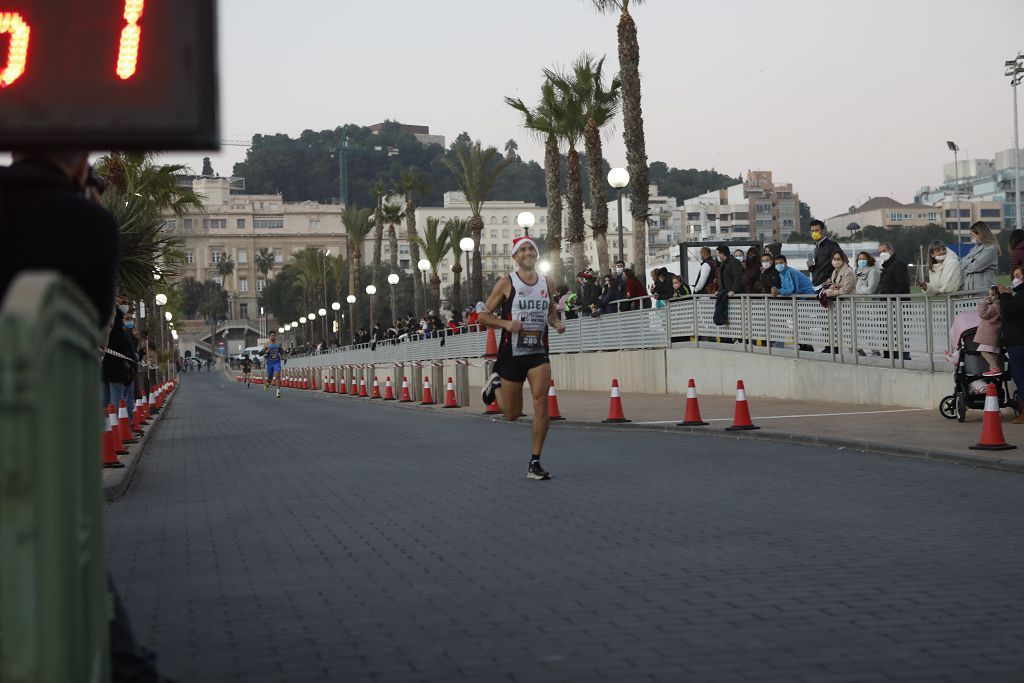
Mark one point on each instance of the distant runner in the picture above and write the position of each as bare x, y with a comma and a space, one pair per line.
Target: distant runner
275, 358
527, 309
246, 369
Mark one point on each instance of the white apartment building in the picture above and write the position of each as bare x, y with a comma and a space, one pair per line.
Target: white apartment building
757, 208
987, 191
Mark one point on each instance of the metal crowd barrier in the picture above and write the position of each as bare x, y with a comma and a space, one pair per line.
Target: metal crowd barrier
875, 329
54, 605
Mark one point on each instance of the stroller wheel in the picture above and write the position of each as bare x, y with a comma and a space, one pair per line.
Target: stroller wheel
947, 407
961, 407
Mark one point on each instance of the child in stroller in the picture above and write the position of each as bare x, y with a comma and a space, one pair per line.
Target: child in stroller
973, 372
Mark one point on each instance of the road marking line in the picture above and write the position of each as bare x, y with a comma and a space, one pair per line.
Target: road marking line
783, 417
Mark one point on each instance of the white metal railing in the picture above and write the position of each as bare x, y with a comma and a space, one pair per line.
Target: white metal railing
853, 329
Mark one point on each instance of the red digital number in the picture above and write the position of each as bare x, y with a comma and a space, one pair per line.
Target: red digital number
17, 28
128, 51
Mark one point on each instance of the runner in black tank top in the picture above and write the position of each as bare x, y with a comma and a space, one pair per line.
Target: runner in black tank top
527, 307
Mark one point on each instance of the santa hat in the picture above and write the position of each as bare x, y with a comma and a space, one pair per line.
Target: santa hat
521, 242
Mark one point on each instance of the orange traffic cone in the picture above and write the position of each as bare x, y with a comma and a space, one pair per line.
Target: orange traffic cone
342, 387
449, 395
741, 418
115, 432
406, 396
428, 398
491, 350
493, 408
362, 388
124, 428
355, 387
376, 388
327, 383
692, 416
389, 393
110, 448
553, 413
991, 426
615, 407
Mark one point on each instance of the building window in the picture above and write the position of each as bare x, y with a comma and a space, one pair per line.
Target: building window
218, 280
243, 285
243, 256
543, 219
504, 233
190, 256
278, 256
494, 264
188, 225
990, 213
260, 223
504, 219
243, 311
240, 223
215, 256
444, 277
215, 223
314, 223
494, 220
504, 248
260, 284
494, 249
494, 234
403, 249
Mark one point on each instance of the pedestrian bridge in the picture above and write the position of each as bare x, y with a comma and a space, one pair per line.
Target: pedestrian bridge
874, 350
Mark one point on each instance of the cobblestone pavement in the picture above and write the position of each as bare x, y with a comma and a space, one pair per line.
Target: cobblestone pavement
330, 539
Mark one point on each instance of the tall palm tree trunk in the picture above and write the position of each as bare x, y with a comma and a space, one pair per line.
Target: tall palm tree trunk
633, 135
476, 225
553, 185
355, 263
457, 286
378, 238
414, 254
598, 197
393, 242
435, 290
574, 188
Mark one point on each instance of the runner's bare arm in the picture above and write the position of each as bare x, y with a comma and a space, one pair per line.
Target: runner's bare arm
553, 319
502, 290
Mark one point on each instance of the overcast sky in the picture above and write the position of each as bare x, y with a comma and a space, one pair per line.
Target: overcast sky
844, 100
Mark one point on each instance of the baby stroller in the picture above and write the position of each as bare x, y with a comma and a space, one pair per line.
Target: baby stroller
969, 387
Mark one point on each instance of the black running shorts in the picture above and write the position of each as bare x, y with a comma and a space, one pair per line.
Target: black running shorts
514, 368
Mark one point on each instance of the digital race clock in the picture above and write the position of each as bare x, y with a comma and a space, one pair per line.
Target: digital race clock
108, 74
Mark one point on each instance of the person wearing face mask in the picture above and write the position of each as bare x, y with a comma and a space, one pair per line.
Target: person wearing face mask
819, 265
129, 388
894, 279
944, 274
867, 274
843, 281
771, 281
730, 272
115, 371
980, 264
791, 280
752, 271
1011, 308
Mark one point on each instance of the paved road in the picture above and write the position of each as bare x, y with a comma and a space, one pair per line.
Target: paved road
325, 538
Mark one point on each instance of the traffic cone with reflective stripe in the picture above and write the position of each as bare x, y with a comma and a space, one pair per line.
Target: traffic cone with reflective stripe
991, 425
449, 395
741, 418
491, 350
615, 413
362, 388
376, 388
428, 398
124, 428
692, 416
406, 396
115, 431
493, 408
110, 448
355, 387
389, 393
553, 413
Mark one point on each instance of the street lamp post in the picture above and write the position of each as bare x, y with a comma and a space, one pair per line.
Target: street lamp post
525, 220
370, 291
393, 280
1015, 70
311, 329
424, 266
619, 178
351, 299
337, 323
323, 311
956, 172
323, 318
466, 244
161, 301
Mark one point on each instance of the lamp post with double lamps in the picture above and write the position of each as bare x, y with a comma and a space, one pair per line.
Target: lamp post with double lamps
351, 299
312, 328
393, 280
161, 301
424, 266
956, 171
337, 323
1015, 70
302, 321
619, 178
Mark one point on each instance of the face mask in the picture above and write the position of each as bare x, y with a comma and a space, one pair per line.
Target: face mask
862, 263
975, 239
940, 258
123, 309
129, 325
780, 267
815, 236
884, 256
618, 271
1016, 283
765, 265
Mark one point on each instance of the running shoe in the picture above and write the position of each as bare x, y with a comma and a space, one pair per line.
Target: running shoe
537, 472
279, 394
266, 385
489, 390
992, 373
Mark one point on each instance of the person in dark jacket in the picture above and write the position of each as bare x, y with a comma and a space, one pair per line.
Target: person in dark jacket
1016, 244
820, 262
1011, 308
770, 281
589, 292
634, 291
895, 279
752, 271
730, 272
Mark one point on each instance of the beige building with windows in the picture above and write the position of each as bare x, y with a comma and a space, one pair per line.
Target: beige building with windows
756, 209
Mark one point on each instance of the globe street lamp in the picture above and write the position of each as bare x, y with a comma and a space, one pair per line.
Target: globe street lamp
619, 178
424, 266
393, 280
351, 299
466, 244
161, 301
337, 307
168, 317
371, 290
323, 317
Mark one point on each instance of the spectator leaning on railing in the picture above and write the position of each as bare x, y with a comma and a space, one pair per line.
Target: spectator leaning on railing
730, 272
944, 274
981, 262
867, 274
843, 280
770, 280
894, 278
707, 281
819, 264
791, 280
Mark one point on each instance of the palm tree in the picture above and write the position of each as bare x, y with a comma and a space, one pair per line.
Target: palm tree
633, 125
308, 264
413, 183
213, 304
600, 105
264, 261
378, 237
567, 112
393, 215
436, 243
540, 122
357, 226
458, 228
475, 170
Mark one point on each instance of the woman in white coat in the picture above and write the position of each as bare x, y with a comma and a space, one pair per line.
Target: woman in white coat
944, 273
